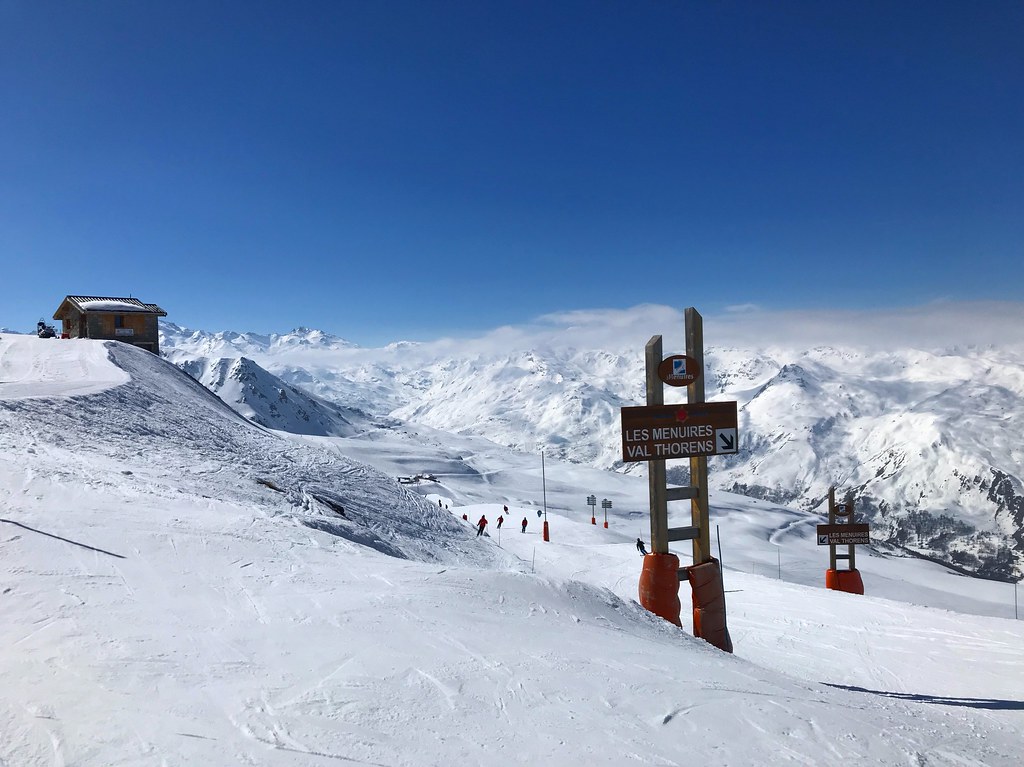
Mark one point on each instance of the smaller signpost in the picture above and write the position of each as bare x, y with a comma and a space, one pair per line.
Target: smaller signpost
592, 502
841, 530
606, 504
843, 535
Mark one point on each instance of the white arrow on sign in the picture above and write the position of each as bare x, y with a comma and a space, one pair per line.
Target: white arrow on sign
725, 441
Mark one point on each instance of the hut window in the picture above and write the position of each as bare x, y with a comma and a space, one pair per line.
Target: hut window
118, 320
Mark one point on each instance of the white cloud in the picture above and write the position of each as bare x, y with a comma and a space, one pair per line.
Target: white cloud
931, 327
939, 325
934, 326
743, 308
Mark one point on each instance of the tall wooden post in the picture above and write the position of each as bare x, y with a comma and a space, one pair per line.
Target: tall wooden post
695, 393
656, 468
851, 549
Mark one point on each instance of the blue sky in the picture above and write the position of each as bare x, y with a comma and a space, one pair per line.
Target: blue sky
406, 170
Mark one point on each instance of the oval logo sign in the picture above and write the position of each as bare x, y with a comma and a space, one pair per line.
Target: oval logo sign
678, 370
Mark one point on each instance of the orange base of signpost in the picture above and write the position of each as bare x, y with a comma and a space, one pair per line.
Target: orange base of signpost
709, 604
546, 536
593, 521
844, 580
659, 586
606, 524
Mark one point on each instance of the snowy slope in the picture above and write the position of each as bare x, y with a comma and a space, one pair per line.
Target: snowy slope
160, 605
927, 440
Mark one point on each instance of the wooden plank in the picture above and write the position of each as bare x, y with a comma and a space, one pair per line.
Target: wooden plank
681, 493
683, 533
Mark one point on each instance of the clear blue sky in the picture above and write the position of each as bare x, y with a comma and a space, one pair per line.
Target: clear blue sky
402, 170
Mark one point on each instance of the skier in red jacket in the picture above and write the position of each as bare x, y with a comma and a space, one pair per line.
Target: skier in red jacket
524, 524
481, 525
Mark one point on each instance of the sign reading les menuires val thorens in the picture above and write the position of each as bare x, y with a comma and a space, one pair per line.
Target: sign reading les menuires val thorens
852, 534
658, 432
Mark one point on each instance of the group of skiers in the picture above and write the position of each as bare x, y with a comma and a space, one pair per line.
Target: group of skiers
481, 525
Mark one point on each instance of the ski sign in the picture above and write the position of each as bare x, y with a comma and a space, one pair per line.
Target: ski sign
850, 534
679, 370
660, 432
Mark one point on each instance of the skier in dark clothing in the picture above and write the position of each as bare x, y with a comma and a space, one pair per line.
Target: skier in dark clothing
480, 526
500, 520
640, 547
524, 524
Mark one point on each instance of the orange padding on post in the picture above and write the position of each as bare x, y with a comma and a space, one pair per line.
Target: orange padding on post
844, 580
659, 586
709, 604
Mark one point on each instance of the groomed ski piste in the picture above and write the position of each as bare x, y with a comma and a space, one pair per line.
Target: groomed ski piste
182, 587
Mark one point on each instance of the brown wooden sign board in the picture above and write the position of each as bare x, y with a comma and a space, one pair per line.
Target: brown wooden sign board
661, 432
839, 535
679, 370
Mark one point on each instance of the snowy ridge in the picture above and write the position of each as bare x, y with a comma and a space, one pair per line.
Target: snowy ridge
267, 400
926, 440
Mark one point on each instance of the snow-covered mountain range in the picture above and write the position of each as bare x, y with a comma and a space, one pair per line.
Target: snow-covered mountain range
928, 442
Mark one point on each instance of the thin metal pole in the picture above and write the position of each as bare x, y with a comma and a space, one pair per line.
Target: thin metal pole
779, 552
1015, 599
721, 567
831, 521
544, 481
544, 484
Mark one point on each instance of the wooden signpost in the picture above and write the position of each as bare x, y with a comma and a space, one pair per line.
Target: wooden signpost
841, 530
659, 432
